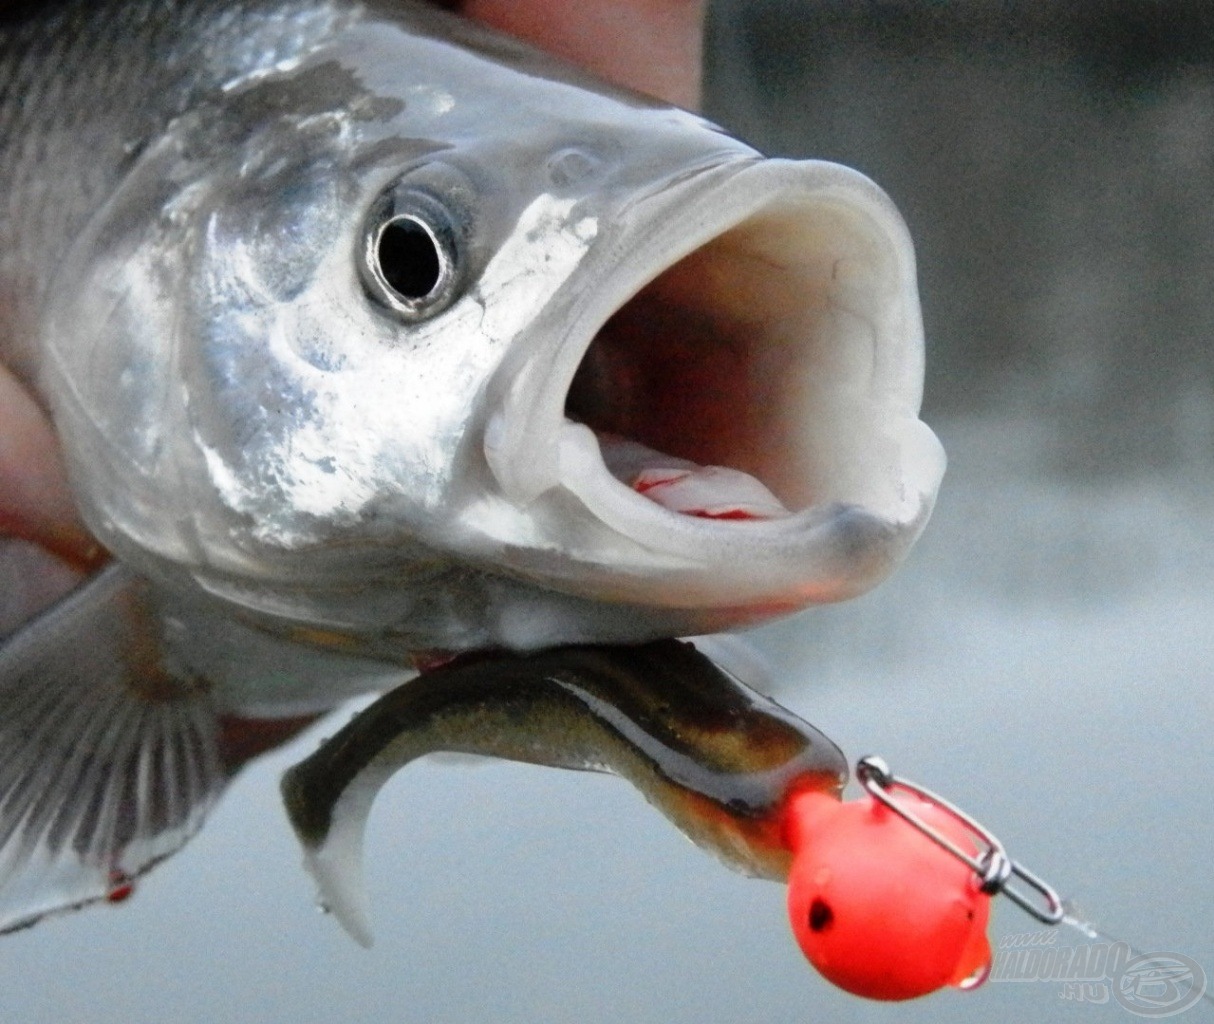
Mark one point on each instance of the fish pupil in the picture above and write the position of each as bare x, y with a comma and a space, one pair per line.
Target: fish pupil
409, 259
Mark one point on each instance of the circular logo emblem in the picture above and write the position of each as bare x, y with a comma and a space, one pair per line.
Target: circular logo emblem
1159, 984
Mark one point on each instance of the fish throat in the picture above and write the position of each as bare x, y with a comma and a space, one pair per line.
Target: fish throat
715, 390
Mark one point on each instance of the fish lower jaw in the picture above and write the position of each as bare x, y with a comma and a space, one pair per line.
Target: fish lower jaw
718, 536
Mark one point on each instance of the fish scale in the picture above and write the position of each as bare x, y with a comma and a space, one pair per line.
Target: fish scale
148, 62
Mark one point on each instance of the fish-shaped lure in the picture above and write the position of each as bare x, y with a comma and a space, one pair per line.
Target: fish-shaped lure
718, 759
367, 332
878, 907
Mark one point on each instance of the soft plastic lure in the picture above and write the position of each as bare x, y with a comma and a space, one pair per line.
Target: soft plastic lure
888, 895
716, 758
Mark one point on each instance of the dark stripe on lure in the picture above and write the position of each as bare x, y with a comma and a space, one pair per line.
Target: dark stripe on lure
714, 756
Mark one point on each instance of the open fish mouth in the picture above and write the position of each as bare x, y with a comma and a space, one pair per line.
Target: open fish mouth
691, 387
748, 389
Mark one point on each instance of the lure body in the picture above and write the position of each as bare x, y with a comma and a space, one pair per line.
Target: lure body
715, 757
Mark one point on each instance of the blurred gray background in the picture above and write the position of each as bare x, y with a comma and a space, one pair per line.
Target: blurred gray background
1044, 659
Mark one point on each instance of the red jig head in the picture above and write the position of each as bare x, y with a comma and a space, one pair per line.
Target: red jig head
889, 895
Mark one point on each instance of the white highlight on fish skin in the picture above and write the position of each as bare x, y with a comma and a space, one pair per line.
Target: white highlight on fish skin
223, 479
262, 48
534, 262
359, 440
433, 101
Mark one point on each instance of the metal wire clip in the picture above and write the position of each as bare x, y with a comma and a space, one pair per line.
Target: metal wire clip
992, 865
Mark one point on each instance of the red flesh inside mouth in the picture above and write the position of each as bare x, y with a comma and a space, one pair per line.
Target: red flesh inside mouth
706, 367
691, 493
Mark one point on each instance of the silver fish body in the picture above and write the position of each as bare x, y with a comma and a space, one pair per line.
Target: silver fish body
366, 332
356, 318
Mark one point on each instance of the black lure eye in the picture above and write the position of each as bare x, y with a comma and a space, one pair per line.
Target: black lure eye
820, 915
409, 258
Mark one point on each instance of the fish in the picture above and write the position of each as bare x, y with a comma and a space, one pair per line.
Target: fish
369, 338
719, 760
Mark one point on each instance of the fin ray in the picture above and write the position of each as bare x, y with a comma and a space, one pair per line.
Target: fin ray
108, 762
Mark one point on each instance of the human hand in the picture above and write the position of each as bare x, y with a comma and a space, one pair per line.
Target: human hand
654, 46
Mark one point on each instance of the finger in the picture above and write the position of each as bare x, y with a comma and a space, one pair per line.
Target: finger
35, 500
654, 46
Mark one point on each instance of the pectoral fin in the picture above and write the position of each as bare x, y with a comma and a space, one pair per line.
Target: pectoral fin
109, 760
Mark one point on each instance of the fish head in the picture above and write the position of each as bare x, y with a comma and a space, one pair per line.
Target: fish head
475, 354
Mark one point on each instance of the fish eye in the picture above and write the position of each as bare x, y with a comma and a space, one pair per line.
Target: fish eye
409, 257
409, 260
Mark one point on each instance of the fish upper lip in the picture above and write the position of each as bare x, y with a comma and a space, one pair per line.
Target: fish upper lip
533, 446
522, 432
